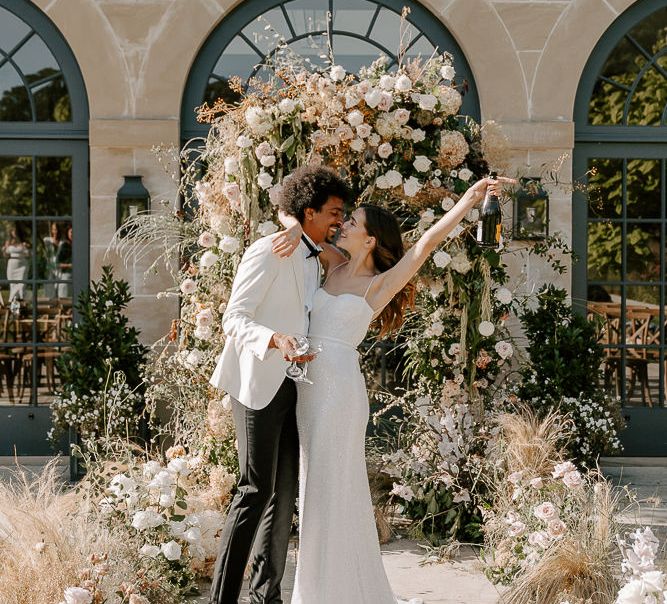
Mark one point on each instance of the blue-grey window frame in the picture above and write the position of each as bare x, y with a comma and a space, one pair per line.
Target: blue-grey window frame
38, 138
645, 429
248, 10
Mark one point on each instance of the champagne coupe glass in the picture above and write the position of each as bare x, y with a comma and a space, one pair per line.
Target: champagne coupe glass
294, 371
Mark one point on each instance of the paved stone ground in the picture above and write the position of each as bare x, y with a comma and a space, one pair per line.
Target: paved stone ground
458, 582
461, 581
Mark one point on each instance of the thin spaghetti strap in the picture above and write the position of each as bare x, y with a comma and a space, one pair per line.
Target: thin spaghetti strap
369, 286
332, 271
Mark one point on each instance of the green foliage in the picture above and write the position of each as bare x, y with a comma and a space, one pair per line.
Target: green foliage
565, 371
102, 344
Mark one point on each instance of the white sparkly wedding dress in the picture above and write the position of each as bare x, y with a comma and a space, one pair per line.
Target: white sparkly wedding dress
339, 554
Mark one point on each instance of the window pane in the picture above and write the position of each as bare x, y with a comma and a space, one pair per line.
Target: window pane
605, 196
649, 98
604, 251
643, 252
643, 195
52, 103
12, 30
35, 60
267, 31
53, 188
15, 186
16, 242
387, 30
49, 235
353, 16
353, 53
307, 15
422, 48
642, 296
14, 102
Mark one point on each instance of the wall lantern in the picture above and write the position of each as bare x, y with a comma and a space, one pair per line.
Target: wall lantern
132, 198
531, 210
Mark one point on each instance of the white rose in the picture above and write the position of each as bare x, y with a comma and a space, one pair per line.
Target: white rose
171, 550
351, 100
231, 165
337, 73
264, 148
504, 349
422, 163
208, 259
344, 132
231, 191
286, 106
465, 174
427, 102
411, 186
545, 511
268, 160
193, 534
206, 239
147, 519
654, 580
358, 145
167, 500
275, 193
178, 466
486, 328
258, 120
417, 135
203, 332
374, 139
394, 178
460, 262
162, 480
504, 295
355, 118
373, 97
632, 592
556, 528
243, 141
447, 72
561, 469
229, 244
572, 479
516, 529
536, 483
403, 83
436, 183
441, 259
386, 101
427, 217
77, 595
385, 150
381, 182
264, 180
188, 286
387, 82
364, 130
194, 358
149, 550
203, 192
267, 228
437, 329
539, 539
402, 116
204, 317
447, 203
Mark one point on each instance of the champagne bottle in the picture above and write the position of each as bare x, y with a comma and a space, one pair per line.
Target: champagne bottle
489, 227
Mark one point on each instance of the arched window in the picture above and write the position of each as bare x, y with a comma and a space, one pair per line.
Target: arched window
620, 227
357, 31
43, 197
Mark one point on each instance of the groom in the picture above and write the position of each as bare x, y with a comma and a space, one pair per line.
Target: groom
270, 302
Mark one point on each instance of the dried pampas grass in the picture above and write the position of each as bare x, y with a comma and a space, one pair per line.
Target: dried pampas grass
583, 566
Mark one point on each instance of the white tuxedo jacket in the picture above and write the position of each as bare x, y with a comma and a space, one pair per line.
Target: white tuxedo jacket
267, 297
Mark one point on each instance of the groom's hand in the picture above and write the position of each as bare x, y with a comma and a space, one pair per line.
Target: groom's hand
287, 346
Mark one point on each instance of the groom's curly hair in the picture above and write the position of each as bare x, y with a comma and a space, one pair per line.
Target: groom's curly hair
310, 187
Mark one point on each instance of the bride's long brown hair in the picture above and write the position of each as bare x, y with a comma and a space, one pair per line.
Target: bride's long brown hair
389, 249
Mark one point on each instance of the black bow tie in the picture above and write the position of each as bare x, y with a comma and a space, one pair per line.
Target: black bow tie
314, 252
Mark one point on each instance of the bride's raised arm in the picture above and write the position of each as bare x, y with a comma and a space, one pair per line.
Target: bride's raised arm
390, 282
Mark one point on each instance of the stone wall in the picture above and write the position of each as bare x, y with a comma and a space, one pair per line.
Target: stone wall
526, 56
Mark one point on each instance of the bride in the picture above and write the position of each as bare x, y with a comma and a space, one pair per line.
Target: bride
339, 554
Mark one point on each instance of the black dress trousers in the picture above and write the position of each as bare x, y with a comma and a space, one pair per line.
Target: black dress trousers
262, 509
